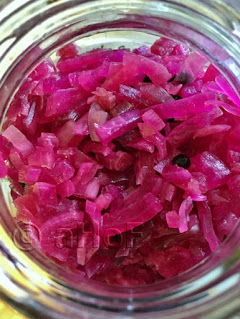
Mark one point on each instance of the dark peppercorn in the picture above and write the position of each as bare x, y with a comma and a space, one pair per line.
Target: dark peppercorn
147, 79
182, 161
183, 78
170, 120
177, 97
22, 184
172, 79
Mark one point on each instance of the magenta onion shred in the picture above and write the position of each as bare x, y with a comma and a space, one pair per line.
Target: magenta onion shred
125, 166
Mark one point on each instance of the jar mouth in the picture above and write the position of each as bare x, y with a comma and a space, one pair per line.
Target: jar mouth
36, 29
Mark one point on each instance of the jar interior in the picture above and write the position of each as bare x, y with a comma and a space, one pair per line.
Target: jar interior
117, 24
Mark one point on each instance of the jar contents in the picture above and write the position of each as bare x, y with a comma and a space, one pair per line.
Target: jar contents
125, 165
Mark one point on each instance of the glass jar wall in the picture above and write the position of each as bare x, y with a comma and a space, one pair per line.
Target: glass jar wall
32, 30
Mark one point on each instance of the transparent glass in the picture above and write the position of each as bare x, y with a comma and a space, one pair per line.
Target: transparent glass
30, 31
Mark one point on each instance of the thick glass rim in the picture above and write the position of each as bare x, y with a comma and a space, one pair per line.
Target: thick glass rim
25, 27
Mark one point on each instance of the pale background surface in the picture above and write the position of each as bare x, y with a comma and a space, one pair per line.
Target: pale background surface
8, 313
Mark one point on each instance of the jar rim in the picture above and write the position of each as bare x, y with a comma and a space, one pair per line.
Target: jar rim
197, 287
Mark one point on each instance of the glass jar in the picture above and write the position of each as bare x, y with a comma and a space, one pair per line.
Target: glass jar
30, 31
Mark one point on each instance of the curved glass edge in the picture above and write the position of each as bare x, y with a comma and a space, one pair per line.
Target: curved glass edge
27, 269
